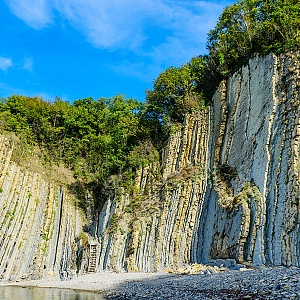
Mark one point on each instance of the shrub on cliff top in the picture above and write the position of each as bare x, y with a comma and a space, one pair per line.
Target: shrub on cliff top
176, 91
253, 27
92, 137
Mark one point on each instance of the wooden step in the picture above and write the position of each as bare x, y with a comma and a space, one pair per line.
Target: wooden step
92, 258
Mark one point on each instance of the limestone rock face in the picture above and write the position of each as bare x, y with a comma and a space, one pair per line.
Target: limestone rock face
227, 187
241, 201
154, 229
252, 214
38, 223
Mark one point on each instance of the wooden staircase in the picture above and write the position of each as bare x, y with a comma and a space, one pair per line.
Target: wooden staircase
92, 258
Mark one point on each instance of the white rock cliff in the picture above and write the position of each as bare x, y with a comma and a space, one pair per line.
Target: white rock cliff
228, 187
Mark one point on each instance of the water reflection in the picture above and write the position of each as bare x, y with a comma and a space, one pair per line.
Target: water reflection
33, 293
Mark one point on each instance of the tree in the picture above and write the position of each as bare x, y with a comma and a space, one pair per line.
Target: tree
92, 137
280, 31
176, 92
252, 27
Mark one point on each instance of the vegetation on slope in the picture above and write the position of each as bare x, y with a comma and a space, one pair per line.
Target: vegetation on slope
95, 139
252, 27
244, 29
105, 141
176, 92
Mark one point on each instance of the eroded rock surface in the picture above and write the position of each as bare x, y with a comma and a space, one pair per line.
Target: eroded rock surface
39, 223
158, 231
227, 189
244, 204
254, 216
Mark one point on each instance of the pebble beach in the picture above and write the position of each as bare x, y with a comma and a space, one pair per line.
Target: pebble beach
260, 283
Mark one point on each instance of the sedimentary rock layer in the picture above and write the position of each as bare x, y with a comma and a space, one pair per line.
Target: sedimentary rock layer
245, 203
155, 226
227, 187
38, 224
252, 214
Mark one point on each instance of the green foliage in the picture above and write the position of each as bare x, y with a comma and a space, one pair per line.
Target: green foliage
253, 27
176, 92
83, 238
105, 141
249, 191
244, 29
93, 138
143, 154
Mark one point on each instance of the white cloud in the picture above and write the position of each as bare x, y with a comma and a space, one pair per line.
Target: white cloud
123, 24
35, 13
186, 26
163, 31
107, 24
28, 64
127, 24
5, 63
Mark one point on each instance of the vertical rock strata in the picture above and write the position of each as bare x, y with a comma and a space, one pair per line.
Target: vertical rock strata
38, 225
159, 231
227, 187
241, 202
251, 206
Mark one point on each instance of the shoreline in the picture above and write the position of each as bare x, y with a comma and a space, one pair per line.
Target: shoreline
100, 283
107, 281
261, 283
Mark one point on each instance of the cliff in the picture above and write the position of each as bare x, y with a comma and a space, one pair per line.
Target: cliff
227, 187
155, 228
251, 206
39, 222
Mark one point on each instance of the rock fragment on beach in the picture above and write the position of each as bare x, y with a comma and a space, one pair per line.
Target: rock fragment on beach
262, 283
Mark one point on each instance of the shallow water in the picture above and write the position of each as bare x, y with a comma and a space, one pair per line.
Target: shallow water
34, 293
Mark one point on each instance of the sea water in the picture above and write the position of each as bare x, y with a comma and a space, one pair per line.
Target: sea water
34, 293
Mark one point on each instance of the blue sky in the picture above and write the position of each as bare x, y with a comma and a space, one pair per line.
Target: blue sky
74, 49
